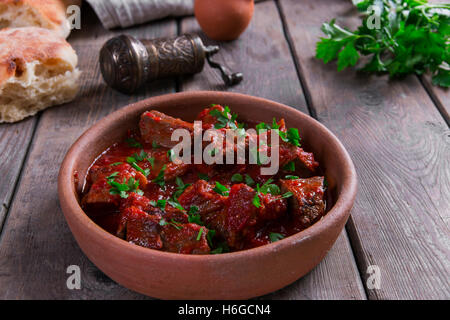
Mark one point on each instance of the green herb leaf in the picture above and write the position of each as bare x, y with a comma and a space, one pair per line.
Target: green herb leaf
210, 236
412, 36
160, 178
161, 204
237, 177
155, 145
287, 195
115, 164
122, 189
133, 143
199, 235
289, 177
290, 166
221, 189
256, 200
248, 180
275, 236
225, 119
221, 248
203, 176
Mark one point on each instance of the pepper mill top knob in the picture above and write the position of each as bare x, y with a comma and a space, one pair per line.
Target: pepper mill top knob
124, 63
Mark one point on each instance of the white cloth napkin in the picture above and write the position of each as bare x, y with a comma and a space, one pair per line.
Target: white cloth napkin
125, 13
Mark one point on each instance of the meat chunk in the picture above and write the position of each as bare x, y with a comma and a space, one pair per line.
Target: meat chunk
272, 207
182, 238
156, 232
202, 195
243, 217
142, 229
99, 192
307, 203
158, 127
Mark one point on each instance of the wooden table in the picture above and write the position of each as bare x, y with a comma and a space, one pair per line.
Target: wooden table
397, 133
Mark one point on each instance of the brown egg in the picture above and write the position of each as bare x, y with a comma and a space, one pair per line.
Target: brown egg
223, 20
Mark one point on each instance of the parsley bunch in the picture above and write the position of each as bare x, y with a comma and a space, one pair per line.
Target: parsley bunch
400, 36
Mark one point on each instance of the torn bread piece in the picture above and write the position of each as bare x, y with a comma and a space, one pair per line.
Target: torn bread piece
48, 14
37, 70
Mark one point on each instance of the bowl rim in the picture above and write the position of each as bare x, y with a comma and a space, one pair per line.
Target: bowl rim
66, 185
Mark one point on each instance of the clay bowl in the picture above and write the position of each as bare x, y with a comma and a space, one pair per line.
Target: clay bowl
237, 275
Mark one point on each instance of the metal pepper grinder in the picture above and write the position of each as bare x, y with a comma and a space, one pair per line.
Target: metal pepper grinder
127, 63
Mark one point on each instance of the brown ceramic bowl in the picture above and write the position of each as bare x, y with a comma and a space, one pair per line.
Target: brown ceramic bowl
236, 275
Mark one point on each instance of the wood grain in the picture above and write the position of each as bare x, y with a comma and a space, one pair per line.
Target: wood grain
400, 145
37, 245
263, 55
14, 141
439, 95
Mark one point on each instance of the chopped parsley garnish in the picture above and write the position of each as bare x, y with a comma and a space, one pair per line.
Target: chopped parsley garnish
161, 204
290, 177
256, 200
195, 218
138, 157
155, 145
170, 155
133, 143
199, 234
224, 118
172, 223
209, 236
160, 178
152, 161
181, 186
141, 156
237, 177
122, 189
145, 172
287, 195
221, 248
292, 136
174, 203
193, 209
221, 189
275, 236
212, 152
268, 187
290, 166
248, 180
112, 175
203, 176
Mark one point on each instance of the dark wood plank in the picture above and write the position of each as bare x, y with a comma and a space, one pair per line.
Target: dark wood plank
440, 96
37, 246
263, 55
14, 141
400, 145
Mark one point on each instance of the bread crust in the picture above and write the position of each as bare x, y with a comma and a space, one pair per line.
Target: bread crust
21, 45
49, 14
37, 70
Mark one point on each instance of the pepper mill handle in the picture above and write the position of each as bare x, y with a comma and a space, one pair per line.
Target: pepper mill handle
230, 79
